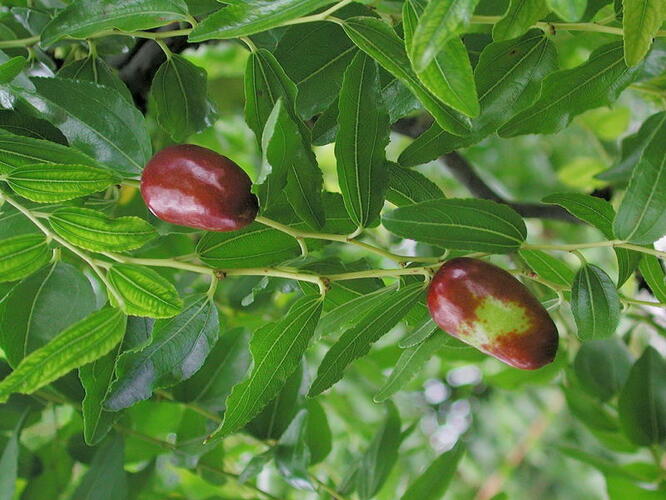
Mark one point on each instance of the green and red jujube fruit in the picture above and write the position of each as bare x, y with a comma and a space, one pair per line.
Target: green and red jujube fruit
193, 186
486, 307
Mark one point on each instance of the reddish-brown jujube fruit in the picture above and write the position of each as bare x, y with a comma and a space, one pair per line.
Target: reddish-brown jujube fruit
486, 307
193, 186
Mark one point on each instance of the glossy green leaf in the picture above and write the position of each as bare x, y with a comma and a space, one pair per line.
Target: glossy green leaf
434, 481
276, 349
370, 327
96, 70
253, 16
144, 291
42, 306
602, 367
361, 140
411, 361
407, 186
96, 231
379, 41
449, 74
177, 349
642, 403
548, 267
459, 224
97, 120
508, 78
314, 56
11, 68
520, 16
106, 478
20, 122
293, 169
225, 366
380, 457
441, 21
292, 455
20, 256
600, 214
569, 92
47, 183
641, 19
17, 151
87, 17
265, 84
595, 303
653, 273
77, 345
181, 98
254, 245
641, 217
569, 10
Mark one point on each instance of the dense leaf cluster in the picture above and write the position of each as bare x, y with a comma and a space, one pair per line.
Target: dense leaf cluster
143, 360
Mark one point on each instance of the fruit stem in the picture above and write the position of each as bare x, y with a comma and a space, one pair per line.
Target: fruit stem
629, 300
295, 233
322, 16
598, 244
547, 27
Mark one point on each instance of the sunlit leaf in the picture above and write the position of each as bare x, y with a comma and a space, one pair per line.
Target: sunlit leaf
441, 21
95, 231
641, 19
79, 344
21, 256
520, 16
144, 291
47, 183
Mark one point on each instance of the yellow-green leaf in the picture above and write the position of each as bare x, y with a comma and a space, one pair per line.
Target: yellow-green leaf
81, 343
45, 183
144, 292
96, 231
22, 255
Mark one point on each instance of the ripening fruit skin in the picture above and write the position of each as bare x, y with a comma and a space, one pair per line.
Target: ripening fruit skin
486, 307
193, 186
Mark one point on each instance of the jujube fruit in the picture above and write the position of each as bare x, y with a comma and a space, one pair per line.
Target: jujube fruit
486, 307
193, 186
